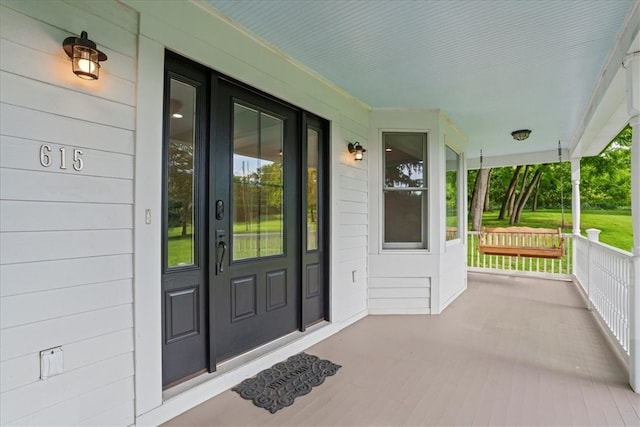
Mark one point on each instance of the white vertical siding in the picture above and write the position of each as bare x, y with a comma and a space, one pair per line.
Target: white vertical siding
453, 266
66, 268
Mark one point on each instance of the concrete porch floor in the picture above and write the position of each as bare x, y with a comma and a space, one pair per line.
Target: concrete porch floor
509, 351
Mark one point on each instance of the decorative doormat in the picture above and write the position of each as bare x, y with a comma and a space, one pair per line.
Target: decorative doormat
278, 386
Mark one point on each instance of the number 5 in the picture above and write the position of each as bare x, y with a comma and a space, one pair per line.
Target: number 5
78, 164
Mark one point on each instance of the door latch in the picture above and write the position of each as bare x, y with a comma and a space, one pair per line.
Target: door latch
221, 249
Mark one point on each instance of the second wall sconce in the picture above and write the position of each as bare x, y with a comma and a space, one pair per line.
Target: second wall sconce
357, 150
85, 57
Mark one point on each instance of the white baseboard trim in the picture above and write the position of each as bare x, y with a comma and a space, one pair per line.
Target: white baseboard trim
230, 373
399, 311
453, 297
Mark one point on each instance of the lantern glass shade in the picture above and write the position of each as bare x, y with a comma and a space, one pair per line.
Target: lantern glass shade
85, 56
85, 62
357, 150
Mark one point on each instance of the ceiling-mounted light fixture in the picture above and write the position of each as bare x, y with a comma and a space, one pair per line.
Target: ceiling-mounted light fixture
521, 135
85, 57
175, 107
357, 150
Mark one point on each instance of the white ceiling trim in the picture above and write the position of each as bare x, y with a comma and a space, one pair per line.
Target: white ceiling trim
605, 113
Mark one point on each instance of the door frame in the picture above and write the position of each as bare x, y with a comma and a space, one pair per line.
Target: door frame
324, 198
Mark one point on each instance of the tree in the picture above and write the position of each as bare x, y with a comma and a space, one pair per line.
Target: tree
180, 185
524, 195
312, 194
506, 201
605, 181
487, 195
477, 199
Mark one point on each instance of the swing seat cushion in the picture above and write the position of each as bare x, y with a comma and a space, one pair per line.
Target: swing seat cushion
522, 242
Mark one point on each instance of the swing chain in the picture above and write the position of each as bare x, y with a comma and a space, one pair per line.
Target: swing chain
561, 187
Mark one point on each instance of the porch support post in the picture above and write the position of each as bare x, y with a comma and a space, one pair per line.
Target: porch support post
632, 64
575, 195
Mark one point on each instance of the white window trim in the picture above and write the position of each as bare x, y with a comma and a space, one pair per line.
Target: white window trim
407, 247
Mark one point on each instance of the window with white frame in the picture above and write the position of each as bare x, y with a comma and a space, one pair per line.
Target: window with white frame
452, 174
405, 190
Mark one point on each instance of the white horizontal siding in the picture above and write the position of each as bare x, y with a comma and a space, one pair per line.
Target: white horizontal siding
16, 279
66, 264
67, 18
352, 195
352, 230
354, 242
52, 128
57, 390
57, 187
29, 308
19, 153
32, 338
40, 96
23, 370
398, 292
42, 216
353, 218
353, 207
399, 295
115, 89
79, 408
399, 304
50, 245
400, 282
119, 415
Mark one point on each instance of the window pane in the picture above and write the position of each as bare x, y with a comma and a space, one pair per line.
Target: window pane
452, 165
312, 189
180, 164
403, 216
405, 190
258, 204
271, 176
404, 157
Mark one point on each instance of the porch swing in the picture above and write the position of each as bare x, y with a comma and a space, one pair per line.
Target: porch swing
524, 241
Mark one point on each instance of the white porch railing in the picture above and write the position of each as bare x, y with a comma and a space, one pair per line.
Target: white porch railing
478, 261
604, 273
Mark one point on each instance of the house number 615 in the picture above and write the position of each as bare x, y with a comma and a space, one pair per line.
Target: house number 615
46, 157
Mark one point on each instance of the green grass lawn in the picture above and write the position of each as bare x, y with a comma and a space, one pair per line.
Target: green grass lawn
615, 224
271, 225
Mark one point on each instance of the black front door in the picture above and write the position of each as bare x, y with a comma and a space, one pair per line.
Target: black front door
245, 220
256, 283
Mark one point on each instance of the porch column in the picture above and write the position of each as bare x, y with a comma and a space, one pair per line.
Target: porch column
575, 195
632, 64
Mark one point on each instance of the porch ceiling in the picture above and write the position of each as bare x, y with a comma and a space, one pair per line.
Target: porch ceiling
492, 66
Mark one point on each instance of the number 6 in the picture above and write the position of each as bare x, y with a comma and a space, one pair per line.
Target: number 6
45, 157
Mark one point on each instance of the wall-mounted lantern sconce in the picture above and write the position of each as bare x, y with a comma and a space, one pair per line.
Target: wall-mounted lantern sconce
85, 57
356, 149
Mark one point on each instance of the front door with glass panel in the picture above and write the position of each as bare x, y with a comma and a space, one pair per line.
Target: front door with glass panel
185, 265
244, 220
256, 284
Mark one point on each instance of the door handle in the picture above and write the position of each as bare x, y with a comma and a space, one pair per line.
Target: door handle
220, 258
